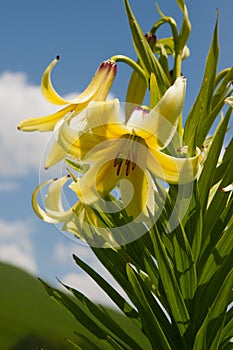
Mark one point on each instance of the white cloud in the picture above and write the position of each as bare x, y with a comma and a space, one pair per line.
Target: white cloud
84, 284
20, 152
15, 245
8, 186
63, 252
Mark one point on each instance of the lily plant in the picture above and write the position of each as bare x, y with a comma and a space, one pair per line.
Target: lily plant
153, 196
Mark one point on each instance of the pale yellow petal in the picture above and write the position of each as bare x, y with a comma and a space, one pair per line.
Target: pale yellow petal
55, 155
47, 88
54, 212
171, 169
162, 120
100, 84
44, 123
97, 183
103, 119
76, 142
135, 192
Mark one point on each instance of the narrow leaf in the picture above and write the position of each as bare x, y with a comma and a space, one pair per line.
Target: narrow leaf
210, 165
202, 105
151, 325
145, 53
170, 284
209, 335
123, 305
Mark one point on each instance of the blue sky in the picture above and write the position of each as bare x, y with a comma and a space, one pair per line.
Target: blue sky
83, 33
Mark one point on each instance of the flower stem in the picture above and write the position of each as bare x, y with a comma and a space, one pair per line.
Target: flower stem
131, 63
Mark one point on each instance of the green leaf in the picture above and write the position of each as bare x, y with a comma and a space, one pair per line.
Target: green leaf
150, 323
213, 260
220, 200
224, 86
171, 287
184, 265
80, 315
202, 105
88, 343
227, 332
212, 274
193, 222
145, 54
210, 164
123, 305
117, 332
209, 335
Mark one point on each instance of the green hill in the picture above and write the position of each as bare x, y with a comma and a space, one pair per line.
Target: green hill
29, 319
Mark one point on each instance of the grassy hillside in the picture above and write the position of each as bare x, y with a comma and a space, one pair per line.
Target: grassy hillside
29, 319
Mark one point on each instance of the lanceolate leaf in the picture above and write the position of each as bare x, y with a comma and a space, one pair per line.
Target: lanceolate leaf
123, 305
193, 223
105, 319
151, 325
184, 264
220, 200
144, 52
80, 315
222, 249
211, 161
208, 337
176, 301
227, 332
202, 105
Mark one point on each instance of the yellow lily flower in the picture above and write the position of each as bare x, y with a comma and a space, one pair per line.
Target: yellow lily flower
78, 220
97, 90
128, 151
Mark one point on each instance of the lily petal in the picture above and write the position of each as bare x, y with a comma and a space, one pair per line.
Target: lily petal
162, 120
47, 88
137, 201
54, 212
171, 169
77, 142
103, 119
55, 155
44, 123
96, 184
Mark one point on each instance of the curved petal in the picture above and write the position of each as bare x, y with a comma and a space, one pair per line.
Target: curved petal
100, 84
162, 120
47, 88
137, 199
55, 155
54, 212
77, 142
103, 119
97, 183
171, 169
44, 123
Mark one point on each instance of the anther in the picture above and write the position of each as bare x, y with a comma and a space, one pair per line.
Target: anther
119, 167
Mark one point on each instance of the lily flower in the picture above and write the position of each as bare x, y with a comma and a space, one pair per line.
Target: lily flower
97, 90
78, 219
128, 151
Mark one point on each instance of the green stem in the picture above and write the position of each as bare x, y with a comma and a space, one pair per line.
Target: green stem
131, 63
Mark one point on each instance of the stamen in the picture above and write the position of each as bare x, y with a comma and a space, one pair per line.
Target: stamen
128, 155
134, 165
127, 164
119, 167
